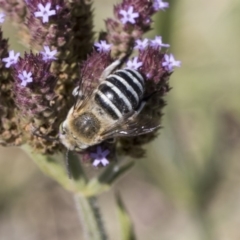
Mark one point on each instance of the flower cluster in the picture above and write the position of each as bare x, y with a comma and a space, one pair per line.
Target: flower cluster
36, 100
132, 18
37, 87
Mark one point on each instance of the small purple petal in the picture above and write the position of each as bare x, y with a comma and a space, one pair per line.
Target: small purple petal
12, 59
102, 46
100, 157
134, 64
2, 17
45, 12
170, 62
129, 15
141, 44
160, 5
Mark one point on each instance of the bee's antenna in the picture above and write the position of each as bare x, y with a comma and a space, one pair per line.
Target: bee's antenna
34, 132
67, 164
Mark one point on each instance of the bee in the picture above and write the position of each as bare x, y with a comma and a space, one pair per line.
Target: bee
111, 110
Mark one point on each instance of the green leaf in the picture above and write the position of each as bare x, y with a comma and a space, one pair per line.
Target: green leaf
113, 172
127, 232
103, 182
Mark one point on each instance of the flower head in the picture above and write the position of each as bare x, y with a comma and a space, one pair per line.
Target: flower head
129, 15
160, 5
32, 68
48, 54
152, 58
170, 62
45, 12
134, 64
2, 17
11, 59
132, 18
26, 77
99, 59
36, 101
100, 157
157, 42
141, 44
102, 46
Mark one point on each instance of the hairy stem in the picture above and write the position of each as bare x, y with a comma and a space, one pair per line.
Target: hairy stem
52, 165
90, 217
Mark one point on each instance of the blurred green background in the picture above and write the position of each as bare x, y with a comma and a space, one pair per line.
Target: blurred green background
187, 187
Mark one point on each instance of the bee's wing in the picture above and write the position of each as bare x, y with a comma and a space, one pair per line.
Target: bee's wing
132, 127
84, 92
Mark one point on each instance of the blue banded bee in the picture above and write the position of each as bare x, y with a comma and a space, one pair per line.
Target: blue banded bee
110, 111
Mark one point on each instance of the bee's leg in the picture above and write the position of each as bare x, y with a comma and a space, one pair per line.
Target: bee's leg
142, 104
35, 131
108, 70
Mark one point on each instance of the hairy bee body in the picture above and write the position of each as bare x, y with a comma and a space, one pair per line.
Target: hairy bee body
107, 112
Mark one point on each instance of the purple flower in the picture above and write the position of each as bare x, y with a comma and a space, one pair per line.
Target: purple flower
170, 62
160, 5
141, 44
25, 77
134, 64
100, 157
157, 42
48, 54
45, 12
11, 59
2, 17
129, 15
102, 46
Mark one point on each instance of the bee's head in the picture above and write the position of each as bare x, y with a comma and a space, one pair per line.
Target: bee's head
73, 133
69, 140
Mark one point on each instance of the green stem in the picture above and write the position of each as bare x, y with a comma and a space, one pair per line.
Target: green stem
91, 218
52, 165
205, 225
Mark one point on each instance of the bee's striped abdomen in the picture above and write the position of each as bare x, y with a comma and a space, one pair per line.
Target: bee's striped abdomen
120, 93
